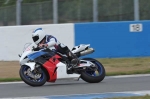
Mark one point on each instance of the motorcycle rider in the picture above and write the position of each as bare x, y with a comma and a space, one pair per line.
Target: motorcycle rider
41, 39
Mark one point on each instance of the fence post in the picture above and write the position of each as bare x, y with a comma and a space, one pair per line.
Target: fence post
18, 12
120, 10
95, 10
136, 10
55, 11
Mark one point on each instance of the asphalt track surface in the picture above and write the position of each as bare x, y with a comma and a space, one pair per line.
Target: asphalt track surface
68, 87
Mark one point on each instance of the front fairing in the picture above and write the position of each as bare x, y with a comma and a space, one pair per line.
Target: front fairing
36, 54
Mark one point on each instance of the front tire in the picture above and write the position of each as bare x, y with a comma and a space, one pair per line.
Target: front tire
27, 76
88, 76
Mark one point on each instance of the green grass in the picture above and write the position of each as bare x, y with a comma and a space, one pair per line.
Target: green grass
9, 79
128, 73
126, 66
113, 66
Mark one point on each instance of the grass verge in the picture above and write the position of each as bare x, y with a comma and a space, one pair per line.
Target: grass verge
126, 66
113, 66
9, 79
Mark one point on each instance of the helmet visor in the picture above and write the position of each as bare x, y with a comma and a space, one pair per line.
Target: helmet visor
35, 38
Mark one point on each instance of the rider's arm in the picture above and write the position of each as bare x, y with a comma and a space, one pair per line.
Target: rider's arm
51, 43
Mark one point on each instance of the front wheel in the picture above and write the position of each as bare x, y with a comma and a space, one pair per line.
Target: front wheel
95, 76
36, 77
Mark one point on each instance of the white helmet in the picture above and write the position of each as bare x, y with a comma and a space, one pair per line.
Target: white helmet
38, 35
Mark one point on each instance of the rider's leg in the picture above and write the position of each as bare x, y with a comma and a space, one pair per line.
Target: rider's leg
73, 58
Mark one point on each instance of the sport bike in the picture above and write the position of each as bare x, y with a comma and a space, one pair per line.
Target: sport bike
45, 65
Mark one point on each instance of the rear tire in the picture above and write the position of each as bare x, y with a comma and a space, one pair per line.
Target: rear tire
93, 79
28, 80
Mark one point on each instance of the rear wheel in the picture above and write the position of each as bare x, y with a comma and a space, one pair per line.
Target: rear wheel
96, 75
36, 77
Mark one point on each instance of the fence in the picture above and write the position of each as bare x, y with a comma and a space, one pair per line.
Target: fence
75, 11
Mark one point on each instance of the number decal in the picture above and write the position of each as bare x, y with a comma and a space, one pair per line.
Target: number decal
136, 27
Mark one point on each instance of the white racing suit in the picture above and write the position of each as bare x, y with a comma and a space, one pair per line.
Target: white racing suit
54, 44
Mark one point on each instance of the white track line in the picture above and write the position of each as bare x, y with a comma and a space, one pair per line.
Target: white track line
128, 76
26, 98
11, 82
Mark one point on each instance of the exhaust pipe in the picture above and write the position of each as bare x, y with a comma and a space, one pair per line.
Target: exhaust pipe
88, 51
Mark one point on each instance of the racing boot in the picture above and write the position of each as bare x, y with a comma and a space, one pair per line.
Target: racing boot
74, 61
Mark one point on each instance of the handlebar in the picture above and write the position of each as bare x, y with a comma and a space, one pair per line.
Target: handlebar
40, 48
36, 48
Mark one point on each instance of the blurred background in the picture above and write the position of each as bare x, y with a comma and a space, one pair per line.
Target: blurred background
29, 12
120, 48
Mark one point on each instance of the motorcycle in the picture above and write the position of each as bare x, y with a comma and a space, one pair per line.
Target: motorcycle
45, 65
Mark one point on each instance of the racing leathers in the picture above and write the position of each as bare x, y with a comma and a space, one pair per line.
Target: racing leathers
54, 44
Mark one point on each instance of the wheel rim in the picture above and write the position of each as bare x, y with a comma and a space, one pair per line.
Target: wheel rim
32, 76
97, 72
